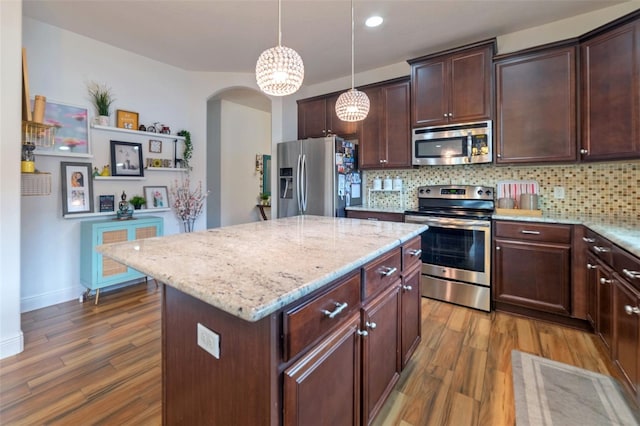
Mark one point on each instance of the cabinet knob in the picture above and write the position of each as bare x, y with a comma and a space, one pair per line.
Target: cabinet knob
499, 155
407, 288
630, 310
584, 151
446, 115
324, 131
362, 333
451, 115
371, 325
590, 266
605, 281
498, 248
329, 131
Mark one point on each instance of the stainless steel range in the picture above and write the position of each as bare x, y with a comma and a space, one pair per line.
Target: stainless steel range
456, 249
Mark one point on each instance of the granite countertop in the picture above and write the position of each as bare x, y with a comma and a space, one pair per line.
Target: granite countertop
252, 270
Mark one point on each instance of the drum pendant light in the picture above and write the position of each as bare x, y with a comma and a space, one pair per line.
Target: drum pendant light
279, 70
352, 105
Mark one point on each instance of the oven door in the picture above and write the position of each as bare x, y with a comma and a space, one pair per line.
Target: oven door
456, 249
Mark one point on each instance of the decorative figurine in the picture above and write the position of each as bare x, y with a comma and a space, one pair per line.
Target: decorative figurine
142, 128
124, 212
96, 172
105, 171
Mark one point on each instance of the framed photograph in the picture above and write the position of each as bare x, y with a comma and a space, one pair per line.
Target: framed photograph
126, 119
71, 130
126, 159
107, 203
157, 197
155, 146
77, 188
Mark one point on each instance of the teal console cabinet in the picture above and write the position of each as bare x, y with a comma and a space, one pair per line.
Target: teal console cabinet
96, 271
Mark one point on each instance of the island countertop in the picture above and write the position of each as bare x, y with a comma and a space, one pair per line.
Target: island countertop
252, 270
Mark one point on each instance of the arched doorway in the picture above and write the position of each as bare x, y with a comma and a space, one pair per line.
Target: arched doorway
238, 129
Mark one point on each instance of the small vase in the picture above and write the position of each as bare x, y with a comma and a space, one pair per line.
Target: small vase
188, 225
103, 120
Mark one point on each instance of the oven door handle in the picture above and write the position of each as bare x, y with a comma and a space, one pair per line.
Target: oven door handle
448, 222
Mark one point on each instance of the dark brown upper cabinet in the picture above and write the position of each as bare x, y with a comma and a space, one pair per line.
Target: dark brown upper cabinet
453, 86
317, 118
536, 105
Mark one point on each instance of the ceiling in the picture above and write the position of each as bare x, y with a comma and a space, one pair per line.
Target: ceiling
229, 35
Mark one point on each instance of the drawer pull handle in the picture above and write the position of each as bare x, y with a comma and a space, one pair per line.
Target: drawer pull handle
415, 253
605, 281
590, 266
371, 325
588, 240
339, 308
526, 231
599, 249
362, 333
387, 271
407, 288
634, 275
630, 310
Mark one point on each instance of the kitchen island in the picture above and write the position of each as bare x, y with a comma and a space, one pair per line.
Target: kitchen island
247, 308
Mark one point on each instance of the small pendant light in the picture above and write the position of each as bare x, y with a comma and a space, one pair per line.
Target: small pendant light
279, 70
352, 105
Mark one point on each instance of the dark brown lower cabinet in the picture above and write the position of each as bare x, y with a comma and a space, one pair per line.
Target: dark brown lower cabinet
604, 325
380, 354
334, 366
410, 315
626, 319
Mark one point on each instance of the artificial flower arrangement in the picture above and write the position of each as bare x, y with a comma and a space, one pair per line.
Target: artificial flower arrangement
187, 204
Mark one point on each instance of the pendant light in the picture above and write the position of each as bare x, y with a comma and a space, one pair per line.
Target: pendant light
352, 105
279, 70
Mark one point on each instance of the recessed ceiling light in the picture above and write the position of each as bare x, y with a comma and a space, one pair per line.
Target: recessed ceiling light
373, 21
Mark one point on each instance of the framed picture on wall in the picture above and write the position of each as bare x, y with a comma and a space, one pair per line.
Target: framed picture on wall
77, 188
71, 130
157, 197
126, 159
127, 119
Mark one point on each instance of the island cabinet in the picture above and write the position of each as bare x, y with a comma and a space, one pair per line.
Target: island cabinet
536, 105
96, 271
331, 357
542, 283
317, 118
384, 137
454, 86
610, 81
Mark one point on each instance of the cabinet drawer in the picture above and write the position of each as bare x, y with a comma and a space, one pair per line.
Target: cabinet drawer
371, 215
305, 324
411, 253
599, 246
381, 273
534, 231
627, 266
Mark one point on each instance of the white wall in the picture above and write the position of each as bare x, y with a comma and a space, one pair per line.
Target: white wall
11, 340
245, 132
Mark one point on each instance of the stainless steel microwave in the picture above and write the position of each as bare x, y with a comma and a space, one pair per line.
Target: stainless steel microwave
466, 143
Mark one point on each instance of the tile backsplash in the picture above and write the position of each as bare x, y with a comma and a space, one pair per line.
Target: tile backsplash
601, 189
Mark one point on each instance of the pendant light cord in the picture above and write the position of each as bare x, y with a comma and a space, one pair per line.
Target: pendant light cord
279, 22
352, 43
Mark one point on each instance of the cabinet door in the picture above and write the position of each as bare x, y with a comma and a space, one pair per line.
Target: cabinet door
108, 269
371, 149
605, 306
395, 128
540, 282
381, 355
592, 290
429, 96
312, 118
335, 126
410, 320
323, 388
611, 94
470, 86
536, 96
627, 332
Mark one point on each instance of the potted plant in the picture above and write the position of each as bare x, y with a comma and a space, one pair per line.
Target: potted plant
137, 202
264, 199
102, 99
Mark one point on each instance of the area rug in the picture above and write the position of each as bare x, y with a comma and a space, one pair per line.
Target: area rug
550, 393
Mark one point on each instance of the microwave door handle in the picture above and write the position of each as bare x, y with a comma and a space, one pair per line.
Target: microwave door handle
469, 145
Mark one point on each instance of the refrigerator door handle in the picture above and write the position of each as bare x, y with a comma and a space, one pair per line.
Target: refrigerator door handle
305, 194
298, 183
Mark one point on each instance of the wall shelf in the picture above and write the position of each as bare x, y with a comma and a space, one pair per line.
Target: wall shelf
119, 178
62, 154
166, 169
137, 132
113, 213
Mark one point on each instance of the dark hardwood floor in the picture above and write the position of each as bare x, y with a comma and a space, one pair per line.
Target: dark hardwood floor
87, 364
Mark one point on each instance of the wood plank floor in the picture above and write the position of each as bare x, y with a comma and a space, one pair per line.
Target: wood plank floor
86, 364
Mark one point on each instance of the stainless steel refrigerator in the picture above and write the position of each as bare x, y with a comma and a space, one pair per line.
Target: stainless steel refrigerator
318, 176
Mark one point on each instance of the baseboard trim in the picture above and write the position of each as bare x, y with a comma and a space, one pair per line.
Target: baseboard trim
43, 300
12, 345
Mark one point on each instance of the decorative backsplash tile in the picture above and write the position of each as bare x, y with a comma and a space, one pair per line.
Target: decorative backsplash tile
599, 189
